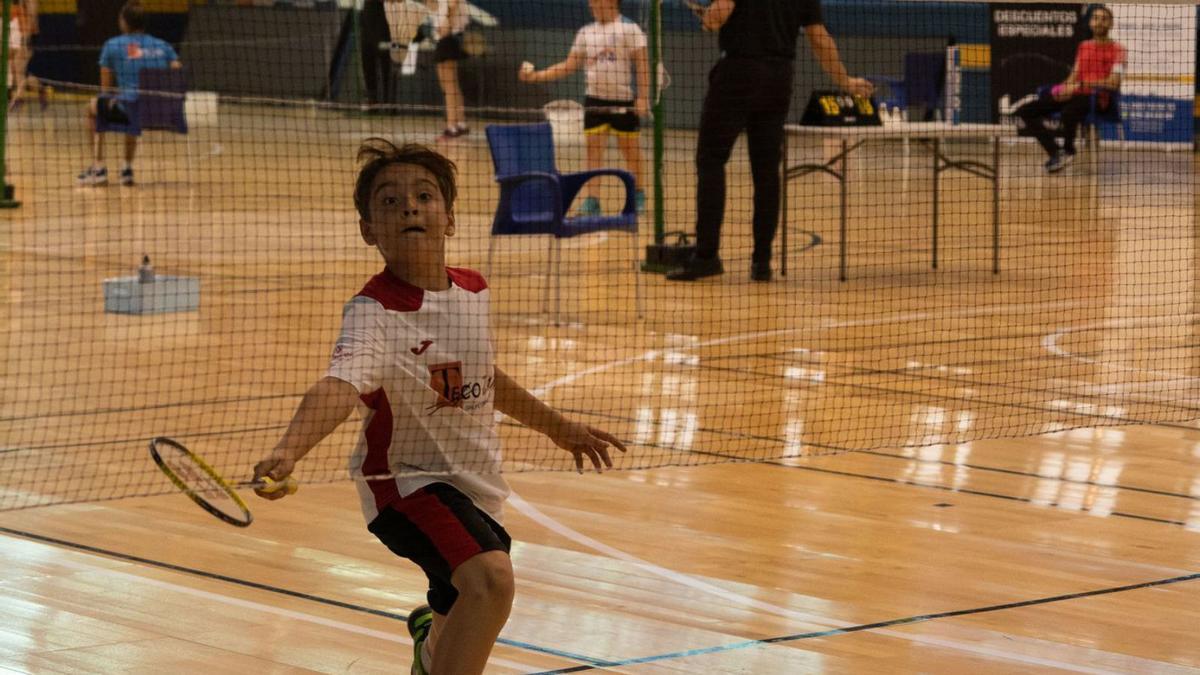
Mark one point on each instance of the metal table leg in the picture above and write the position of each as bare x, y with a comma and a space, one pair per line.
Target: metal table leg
842, 232
937, 175
996, 205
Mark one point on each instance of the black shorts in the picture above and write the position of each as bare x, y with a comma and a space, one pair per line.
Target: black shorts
438, 528
450, 48
111, 110
599, 121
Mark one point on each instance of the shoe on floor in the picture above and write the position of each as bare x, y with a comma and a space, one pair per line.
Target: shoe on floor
127, 176
419, 623
451, 133
590, 207
93, 176
1061, 160
760, 271
697, 268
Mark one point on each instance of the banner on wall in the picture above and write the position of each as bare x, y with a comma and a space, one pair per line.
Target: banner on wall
1158, 89
1035, 44
1032, 45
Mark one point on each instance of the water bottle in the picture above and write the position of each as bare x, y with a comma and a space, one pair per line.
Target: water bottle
145, 271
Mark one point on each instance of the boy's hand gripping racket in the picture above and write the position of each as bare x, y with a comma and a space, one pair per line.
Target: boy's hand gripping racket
205, 486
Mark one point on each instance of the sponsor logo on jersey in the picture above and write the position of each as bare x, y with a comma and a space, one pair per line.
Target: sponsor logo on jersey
446, 380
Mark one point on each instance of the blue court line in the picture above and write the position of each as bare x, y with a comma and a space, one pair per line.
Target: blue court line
870, 626
275, 589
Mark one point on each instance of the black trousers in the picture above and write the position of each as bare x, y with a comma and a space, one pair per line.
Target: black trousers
376, 62
1073, 111
743, 94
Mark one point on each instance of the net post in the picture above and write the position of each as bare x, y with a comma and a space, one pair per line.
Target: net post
7, 192
655, 89
655, 255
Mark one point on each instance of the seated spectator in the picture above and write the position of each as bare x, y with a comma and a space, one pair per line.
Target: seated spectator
1099, 64
124, 57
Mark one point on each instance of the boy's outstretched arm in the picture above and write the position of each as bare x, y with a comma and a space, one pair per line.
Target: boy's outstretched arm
578, 439
326, 404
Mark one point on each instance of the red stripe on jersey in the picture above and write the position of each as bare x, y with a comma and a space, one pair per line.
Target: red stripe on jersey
466, 279
379, 438
437, 521
393, 292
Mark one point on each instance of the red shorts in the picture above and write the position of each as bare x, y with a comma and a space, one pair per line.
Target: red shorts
438, 528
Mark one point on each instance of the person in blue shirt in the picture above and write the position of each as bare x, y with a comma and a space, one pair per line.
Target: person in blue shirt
121, 60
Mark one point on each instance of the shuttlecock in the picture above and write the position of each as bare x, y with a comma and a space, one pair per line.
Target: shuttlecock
527, 67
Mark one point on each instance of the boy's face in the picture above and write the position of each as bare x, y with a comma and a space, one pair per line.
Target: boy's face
604, 11
408, 222
1101, 23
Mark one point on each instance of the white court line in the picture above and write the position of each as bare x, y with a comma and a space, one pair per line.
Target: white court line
257, 606
533, 513
1050, 342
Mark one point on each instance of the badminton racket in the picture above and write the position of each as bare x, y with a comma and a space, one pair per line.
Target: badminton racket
203, 485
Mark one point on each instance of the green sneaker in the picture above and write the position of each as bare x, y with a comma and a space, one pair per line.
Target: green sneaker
640, 197
590, 207
419, 623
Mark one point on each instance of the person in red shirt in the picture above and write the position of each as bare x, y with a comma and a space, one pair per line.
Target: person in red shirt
1099, 63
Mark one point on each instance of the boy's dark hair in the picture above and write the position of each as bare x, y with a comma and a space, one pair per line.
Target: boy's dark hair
134, 16
1102, 8
377, 153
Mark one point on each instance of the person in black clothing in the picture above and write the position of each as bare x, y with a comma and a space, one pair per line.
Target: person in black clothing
376, 63
750, 88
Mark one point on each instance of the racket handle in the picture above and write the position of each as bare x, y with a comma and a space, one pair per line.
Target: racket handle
287, 485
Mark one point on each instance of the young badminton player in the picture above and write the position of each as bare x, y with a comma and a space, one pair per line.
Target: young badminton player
415, 352
608, 49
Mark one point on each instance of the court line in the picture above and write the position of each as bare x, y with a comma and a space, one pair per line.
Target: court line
978, 493
1050, 342
151, 406
578, 537
1127, 397
269, 589
1029, 474
840, 627
876, 453
879, 388
920, 618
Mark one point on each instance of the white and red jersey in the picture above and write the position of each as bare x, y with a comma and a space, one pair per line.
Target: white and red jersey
423, 364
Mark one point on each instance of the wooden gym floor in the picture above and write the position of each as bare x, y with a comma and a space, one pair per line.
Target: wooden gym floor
991, 519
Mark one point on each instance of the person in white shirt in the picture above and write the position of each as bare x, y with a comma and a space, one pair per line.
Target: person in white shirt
449, 23
415, 352
609, 49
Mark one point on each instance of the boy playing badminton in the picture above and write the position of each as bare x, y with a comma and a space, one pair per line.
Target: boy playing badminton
607, 48
416, 352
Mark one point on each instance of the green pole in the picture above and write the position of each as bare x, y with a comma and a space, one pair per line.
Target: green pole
6, 196
654, 253
656, 58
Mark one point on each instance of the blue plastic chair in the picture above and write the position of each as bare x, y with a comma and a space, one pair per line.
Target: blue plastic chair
535, 198
1097, 120
159, 105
